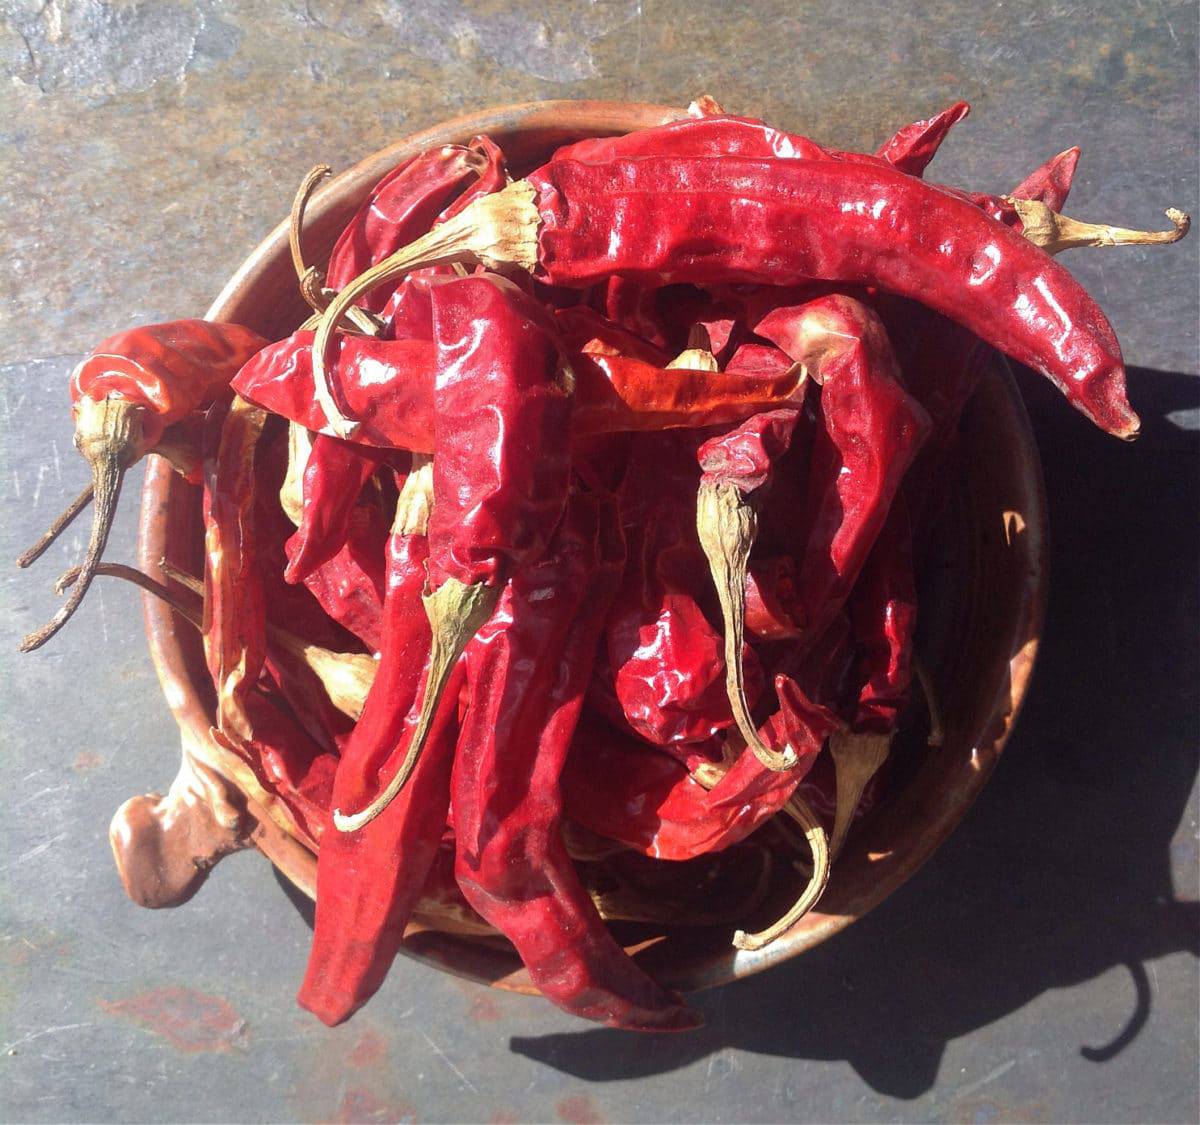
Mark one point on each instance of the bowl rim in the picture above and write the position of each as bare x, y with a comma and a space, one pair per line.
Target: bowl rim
480, 961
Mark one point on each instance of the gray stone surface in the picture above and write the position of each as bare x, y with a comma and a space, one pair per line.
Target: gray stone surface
1042, 967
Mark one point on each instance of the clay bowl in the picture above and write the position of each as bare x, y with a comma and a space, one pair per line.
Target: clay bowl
982, 598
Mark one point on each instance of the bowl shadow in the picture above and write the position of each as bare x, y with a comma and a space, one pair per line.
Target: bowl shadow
1062, 870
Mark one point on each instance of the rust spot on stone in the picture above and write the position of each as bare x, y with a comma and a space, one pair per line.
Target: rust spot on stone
359, 1105
190, 1021
484, 1009
578, 1110
86, 760
369, 1050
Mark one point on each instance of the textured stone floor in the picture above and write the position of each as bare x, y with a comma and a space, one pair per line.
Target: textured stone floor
1041, 968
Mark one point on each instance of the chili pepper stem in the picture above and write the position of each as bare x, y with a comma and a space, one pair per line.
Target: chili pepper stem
496, 231
727, 527
856, 759
109, 435
61, 523
311, 277
814, 834
456, 612
1055, 233
138, 578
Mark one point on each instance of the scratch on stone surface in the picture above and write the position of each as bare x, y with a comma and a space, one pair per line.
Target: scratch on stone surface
40, 794
991, 1076
446, 1059
10, 1047
34, 852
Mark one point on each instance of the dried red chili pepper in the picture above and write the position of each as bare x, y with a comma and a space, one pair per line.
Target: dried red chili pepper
883, 616
127, 395
500, 476
407, 202
736, 464
386, 388
912, 148
872, 429
632, 793
526, 674
334, 474
369, 881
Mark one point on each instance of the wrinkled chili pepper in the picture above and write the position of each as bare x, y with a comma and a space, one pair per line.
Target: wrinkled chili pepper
666, 659
883, 611
912, 148
387, 388
369, 881
335, 472
526, 674
872, 429
127, 395
500, 476
409, 201
632, 793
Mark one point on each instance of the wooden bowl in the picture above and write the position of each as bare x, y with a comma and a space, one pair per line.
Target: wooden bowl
982, 603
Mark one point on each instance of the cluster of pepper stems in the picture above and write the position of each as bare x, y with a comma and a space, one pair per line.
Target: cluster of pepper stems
582, 518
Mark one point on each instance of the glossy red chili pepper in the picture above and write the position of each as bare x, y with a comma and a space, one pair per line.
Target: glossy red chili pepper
703, 220
409, 201
912, 148
386, 387
369, 881
526, 673
334, 475
633, 794
667, 660
127, 396
871, 432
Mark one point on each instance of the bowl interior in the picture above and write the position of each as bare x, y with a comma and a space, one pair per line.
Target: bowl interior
982, 593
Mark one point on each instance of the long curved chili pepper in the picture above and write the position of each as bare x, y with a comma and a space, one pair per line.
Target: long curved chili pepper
387, 388
883, 611
526, 674
131, 388
369, 881
500, 475
675, 219
872, 430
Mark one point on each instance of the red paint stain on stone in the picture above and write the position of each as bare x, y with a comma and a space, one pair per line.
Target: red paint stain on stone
190, 1021
369, 1050
86, 760
578, 1110
504, 1117
360, 1105
484, 1009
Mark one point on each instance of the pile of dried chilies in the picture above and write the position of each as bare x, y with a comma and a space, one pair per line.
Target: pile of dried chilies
572, 540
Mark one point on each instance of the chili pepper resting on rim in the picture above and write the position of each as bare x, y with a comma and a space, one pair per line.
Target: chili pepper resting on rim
131, 388
499, 477
677, 219
526, 675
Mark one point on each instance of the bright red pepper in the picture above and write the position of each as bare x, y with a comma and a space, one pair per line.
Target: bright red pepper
526, 673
